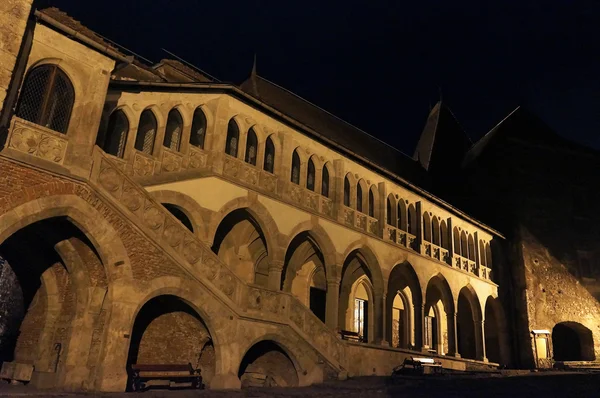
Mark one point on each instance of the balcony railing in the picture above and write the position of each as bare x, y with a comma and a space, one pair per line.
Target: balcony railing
38, 141
309, 199
360, 220
399, 237
436, 252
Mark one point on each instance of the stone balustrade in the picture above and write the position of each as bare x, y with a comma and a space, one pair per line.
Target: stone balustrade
37, 141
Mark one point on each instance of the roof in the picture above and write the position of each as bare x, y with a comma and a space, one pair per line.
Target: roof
441, 140
335, 129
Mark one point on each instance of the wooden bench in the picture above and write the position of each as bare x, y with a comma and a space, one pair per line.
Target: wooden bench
418, 366
351, 336
144, 376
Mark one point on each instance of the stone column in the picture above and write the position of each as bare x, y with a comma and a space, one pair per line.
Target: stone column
378, 325
480, 337
424, 347
275, 269
385, 339
455, 327
332, 304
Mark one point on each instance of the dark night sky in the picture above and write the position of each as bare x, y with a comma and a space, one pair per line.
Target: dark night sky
378, 64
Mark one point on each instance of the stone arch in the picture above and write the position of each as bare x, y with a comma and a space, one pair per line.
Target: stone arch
438, 295
469, 317
320, 235
271, 357
192, 210
391, 211
362, 196
427, 227
496, 332
403, 324
572, 341
260, 214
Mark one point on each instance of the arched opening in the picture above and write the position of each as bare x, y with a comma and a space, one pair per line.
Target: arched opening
47, 317
471, 248
310, 175
173, 130
403, 306
435, 231
571, 341
240, 243
198, 132
372, 202
325, 181
180, 215
233, 137
146, 133
492, 330
269, 164
468, 320
358, 310
464, 246
168, 331
444, 235
251, 147
304, 273
438, 317
426, 227
402, 219
390, 219
295, 174
47, 98
488, 255
412, 220
113, 139
359, 196
266, 364
346, 191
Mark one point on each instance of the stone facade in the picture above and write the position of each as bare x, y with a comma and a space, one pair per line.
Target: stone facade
178, 220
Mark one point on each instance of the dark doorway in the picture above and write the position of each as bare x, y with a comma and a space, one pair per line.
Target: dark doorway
571, 341
317, 302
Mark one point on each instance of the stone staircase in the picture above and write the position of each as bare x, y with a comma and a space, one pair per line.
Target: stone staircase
201, 264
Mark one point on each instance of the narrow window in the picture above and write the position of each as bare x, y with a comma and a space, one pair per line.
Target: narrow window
47, 98
295, 177
198, 133
359, 198
435, 232
233, 135
251, 145
371, 203
325, 182
346, 192
269, 156
114, 138
401, 209
412, 220
388, 211
173, 130
144, 140
310, 176
426, 227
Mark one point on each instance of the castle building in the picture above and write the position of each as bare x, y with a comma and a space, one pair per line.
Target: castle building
153, 214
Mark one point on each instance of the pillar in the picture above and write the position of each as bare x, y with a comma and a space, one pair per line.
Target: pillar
455, 327
423, 347
385, 339
480, 337
332, 304
275, 269
378, 325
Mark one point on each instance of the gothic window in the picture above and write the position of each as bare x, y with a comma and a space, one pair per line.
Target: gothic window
464, 250
444, 235
251, 147
488, 255
412, 220
435, 231
173, 130
295, 177
371, 203
233, 136
310, 176
325, 182
401, 209
388, 211
47, 98
146, 133
198, 133
471, 245
359, 198
114, 137
269, 156
346, 192
426, 227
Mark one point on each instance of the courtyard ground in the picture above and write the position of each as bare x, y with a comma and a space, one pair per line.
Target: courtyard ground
543, 384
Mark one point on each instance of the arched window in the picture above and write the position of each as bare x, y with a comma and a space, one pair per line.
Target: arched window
146, 133
295, 177
412, 220
198, 133
488, 255
435, 231
346, 191
251, 147
114, 138
269, 163
471, 245
482, 253
444, 235
388, 211
371, 203
233, 136
47, 98
456, 235
359, 198
325, 182
310, 175
464, 249
402, 215
426, 227
173, 130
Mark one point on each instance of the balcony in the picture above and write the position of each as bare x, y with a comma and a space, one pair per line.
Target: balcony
436, 252
309, 199
37, 141
399, 237
360, 220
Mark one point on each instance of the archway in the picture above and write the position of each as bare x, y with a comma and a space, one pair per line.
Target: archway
304, 273
266, 364
469, 324
496, 344
438, 317
240, 243
403, 306
51, 277
571, 341
167, 330
180, 215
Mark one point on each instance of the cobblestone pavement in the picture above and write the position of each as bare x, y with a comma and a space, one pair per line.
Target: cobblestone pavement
547, 384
